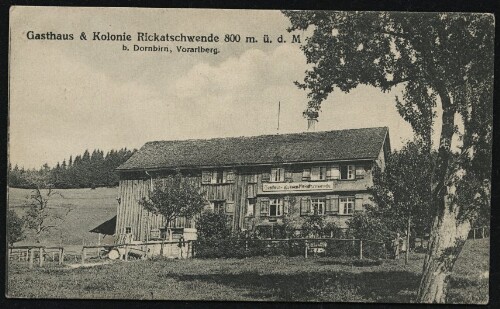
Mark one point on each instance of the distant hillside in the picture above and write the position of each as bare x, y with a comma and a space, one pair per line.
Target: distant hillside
89, 209
84, 171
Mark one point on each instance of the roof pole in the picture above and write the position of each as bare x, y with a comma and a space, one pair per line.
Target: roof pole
279, 110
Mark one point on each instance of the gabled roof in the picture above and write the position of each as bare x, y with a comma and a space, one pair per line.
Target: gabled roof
350, 144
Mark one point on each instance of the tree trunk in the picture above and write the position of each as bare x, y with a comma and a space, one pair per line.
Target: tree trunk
449, 232
448, 236
407, 253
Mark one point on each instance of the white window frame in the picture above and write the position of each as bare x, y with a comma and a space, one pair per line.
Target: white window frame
278, 203
277, 174
220, 205
346, 205
318, 173
351, 172
215, 177
251, 202
318, 205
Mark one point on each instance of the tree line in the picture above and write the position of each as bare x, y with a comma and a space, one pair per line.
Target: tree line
89, 170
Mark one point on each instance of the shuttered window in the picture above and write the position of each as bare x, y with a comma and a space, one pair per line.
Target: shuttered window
347, 172
306, 174
230, 176
334, 172
305, 206
358, 205
318, 206
277, 175
217, 206
264, 207
346, 205
229, 207
275, 207
360, 172
266, 176
250, 207
206, 176
318, 173
332, 204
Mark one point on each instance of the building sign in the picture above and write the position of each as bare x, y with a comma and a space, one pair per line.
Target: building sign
297, 186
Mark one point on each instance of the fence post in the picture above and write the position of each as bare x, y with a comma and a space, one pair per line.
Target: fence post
83, 255
126, 252
305, 254
40, 258
360, 249
482, 231
161, 247
61, 255
474, 233
31, 258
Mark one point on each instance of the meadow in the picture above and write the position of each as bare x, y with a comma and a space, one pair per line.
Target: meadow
254, 279
274, 278
89, 209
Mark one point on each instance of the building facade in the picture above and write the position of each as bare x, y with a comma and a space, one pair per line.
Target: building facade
257, 180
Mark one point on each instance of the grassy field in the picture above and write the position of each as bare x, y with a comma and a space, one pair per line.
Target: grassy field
89, 209
254, 279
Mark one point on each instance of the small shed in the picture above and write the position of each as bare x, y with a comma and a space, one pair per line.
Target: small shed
106, 228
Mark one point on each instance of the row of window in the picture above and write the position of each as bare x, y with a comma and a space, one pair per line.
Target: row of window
278, 174
275, 207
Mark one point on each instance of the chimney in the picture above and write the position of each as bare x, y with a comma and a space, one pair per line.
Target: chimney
311, 124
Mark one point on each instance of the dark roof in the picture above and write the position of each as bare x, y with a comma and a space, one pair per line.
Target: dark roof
265, 149
107, 228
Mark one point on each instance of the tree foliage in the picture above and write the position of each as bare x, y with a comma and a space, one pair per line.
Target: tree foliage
88, 170
444, 64
366, 225
41, 216
174, 197
403, 190
212, 225
15, 228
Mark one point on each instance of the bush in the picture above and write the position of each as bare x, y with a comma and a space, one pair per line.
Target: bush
364, 226
15, 227
212, 225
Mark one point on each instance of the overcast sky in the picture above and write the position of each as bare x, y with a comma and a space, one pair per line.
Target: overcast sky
68, 96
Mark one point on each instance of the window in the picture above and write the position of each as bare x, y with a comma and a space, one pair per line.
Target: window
347, 172
277, 174
318, 173
217, 207
275, 207
217, 177
250, 207
128, 230
346, 205
318, 205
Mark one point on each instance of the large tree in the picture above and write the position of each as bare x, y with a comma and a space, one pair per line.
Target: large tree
402, 191
174, 197
42, 216
444, 64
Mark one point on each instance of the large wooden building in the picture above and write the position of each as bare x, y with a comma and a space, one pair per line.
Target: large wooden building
257, 180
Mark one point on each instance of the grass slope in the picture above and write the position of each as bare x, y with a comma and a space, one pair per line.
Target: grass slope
254, 279
89, 209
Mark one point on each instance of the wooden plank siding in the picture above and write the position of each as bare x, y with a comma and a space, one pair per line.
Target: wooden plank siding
247, 184
131, 214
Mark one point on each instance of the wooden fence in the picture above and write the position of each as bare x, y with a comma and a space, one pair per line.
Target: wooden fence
140, 250
239, 248
479, 232
40, 253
